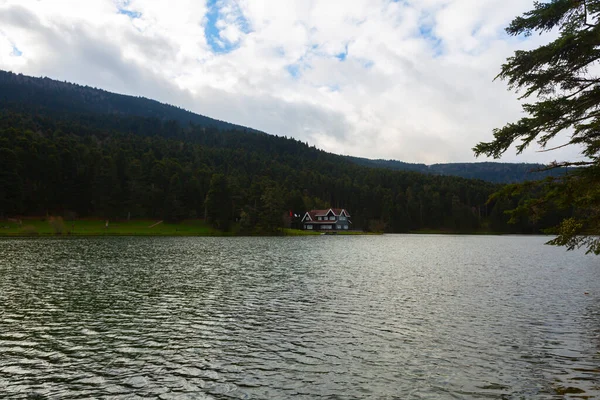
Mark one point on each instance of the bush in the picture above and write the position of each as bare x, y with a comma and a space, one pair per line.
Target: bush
29, 230
57, 224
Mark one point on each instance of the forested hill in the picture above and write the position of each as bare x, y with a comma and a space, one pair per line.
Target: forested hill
83, 160
45, 95
489, 171
58, 99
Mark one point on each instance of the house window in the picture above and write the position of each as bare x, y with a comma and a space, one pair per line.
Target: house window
308, 226
338, 227
345, 226
332, 218
319, 218
342, 218
326, 227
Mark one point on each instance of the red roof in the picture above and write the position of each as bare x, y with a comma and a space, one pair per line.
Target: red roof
322, 222
322, 213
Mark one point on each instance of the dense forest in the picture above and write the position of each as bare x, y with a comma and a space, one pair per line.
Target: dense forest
488, 171
56, 98
83, 162
61, 99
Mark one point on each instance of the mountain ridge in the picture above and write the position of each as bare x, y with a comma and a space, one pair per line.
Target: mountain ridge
44, 95
74, 151
497, 172
95, 100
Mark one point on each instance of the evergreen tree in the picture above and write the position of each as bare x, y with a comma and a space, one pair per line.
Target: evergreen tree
218, 203
174, 210
562, 78
10, 183
272, 209
117, 166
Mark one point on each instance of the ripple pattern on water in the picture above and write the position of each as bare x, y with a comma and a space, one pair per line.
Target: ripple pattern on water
390, 317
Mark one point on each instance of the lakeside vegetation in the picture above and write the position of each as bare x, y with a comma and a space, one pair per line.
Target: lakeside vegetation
57, 226
96, 227
62, 155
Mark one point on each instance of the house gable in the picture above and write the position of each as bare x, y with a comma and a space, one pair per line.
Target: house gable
306, 217
331, 219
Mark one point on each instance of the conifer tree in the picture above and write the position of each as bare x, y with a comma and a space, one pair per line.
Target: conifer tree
562, 78
218, 203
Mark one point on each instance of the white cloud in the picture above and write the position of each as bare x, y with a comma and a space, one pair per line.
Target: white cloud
410, 80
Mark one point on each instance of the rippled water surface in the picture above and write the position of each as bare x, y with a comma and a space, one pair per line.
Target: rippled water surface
390, 317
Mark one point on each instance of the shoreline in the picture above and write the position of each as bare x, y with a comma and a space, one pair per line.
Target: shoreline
140, 234
58, 227
87, 227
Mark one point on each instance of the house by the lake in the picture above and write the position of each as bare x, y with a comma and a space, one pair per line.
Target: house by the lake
333, 219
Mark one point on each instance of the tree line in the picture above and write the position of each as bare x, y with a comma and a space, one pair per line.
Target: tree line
117, 167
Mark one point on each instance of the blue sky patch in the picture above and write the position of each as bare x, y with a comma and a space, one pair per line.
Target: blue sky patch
342, 56
16, 52
130, 14
122, 9
212, 31
426, 32
293, 70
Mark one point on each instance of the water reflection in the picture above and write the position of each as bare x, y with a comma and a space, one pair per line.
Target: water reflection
338, 317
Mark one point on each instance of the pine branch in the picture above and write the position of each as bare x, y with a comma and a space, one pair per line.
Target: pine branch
585, 16
555, 148
555, 165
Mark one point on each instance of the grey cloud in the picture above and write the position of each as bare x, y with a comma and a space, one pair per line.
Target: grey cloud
20, 17
155, 47
408, 106
77, 54
94, 58
271, 115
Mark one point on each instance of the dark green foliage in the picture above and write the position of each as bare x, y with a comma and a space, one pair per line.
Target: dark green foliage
61, 157
11, 190
64, 166
487, 171
59, 99
86, 106
272, 209
561, 76
218, 203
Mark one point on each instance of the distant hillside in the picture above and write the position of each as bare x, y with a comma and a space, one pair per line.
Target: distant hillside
47, 95
82, 152
488, 171
68, 101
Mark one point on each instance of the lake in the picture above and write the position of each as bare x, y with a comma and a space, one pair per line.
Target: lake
336, 317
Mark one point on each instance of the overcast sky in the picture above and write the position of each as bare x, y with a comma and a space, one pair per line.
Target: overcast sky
410, 80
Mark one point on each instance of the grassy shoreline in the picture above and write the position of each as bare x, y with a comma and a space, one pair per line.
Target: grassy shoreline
97, 227
51, 226
57, 227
